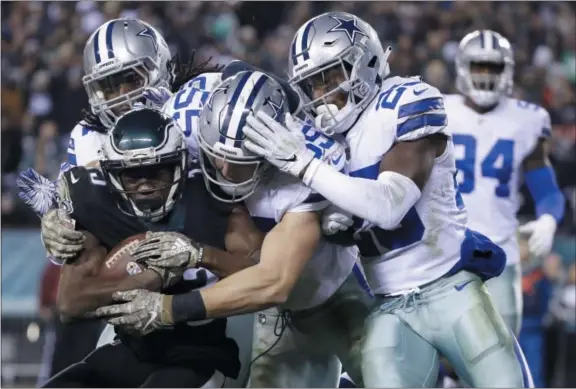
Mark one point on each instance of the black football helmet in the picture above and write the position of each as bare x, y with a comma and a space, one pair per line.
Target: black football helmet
144, 160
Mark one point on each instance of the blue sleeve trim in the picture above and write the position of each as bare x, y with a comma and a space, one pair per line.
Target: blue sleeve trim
421, 106
544, 189
422, 121
72, 159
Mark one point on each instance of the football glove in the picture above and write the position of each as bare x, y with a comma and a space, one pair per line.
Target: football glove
284, 147
541, 234
59, 237
142, 311
169, 254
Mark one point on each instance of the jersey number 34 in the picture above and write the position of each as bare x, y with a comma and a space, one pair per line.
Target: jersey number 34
498, 164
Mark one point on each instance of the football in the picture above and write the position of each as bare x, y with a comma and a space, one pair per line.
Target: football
119, 263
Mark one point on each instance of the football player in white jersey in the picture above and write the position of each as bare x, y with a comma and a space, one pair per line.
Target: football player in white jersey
125, 62
499, 141
425, 267
322, 302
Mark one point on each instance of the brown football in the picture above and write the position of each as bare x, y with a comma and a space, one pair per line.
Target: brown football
119, 262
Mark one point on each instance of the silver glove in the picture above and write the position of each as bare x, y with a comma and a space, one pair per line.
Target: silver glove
169, 254
143, 311
59, 237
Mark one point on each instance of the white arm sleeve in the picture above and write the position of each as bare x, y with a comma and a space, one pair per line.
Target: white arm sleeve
383, 202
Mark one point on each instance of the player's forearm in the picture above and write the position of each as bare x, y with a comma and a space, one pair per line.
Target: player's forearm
266, 284
252, 290
384, 201
80, 295
548, 199
223, 263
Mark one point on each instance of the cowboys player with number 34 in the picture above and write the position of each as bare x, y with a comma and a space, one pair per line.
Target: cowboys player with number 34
498, 139
425, 267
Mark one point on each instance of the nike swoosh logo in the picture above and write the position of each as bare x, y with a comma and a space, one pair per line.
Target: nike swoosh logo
73, 179
336, 160
419, 92
153, 315
291, 159
462, 285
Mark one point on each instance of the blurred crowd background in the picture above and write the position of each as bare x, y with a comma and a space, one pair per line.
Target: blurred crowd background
42, 99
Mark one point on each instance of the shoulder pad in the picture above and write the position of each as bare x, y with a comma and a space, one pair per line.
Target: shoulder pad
291, 195
84, 145
537, 117
419, 109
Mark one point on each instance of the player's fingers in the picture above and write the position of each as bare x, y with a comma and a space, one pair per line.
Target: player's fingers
128, 322
126, 295
151, 241
71, 235
67, 248
62, 234
256, 149
257, 125
60, 256
526, 228
110, 310
255, 137
146, 255
268, 120
292, 123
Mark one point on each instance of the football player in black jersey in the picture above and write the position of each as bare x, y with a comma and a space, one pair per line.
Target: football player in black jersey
145, 188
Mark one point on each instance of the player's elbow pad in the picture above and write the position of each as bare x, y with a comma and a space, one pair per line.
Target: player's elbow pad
399, 194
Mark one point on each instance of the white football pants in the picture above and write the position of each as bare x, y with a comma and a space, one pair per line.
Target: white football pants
311, 351
453, 316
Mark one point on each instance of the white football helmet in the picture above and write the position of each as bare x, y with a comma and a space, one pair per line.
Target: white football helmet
337, 56
491, 51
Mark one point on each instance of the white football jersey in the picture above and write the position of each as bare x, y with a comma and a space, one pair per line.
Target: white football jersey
427, 243
331, 264
186, 105
490, 149
84, 145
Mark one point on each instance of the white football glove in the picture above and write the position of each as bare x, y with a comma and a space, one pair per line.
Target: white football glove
335, 219
283, 147
157, 95
325, 115
541, 232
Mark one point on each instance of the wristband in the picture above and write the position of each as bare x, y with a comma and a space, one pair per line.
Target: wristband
188, 307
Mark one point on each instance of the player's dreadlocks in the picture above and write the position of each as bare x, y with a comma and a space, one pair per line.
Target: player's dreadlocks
181, 72
91, 121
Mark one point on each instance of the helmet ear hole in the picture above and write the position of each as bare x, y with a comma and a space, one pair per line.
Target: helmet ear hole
372, 62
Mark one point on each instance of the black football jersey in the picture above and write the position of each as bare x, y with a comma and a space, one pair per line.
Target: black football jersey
197, 215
